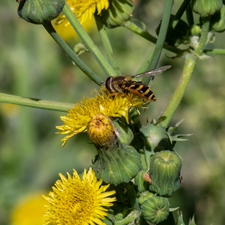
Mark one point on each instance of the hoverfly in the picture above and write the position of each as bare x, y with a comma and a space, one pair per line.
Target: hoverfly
125, 84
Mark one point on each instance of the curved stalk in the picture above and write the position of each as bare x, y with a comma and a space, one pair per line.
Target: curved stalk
72, 54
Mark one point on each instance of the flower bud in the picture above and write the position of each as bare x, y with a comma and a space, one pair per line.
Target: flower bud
141, 183
117, 164
144, 196
102, 131
119, 11
206, 7
39, 11
195, 30
125, 133
156, 136
165, 167
217, 21
155, 209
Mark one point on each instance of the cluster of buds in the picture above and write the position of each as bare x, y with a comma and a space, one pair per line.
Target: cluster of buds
118, 162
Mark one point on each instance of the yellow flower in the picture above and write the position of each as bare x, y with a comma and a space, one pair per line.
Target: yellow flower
67, 32
75, 201
83, 9
82, 113
29, 211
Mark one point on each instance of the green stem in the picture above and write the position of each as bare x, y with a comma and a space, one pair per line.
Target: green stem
72, 54
129, 219
189, 15
88, 41
106, 43
145, 34
180, 12
189, 65
179, 92
161, 38
175, 20
204, 34
36, 103
144, 66
214, 51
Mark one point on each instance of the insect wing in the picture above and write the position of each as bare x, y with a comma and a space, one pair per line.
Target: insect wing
153, 72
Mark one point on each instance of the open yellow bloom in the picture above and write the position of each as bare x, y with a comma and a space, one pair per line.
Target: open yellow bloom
84, 10
29, 211
78, 201
82, 113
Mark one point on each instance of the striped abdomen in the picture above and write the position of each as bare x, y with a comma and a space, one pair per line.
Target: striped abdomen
141, 90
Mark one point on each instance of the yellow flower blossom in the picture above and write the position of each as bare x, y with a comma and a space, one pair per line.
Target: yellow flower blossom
78, 201
83, 9
68, 32
83, 112
29, 211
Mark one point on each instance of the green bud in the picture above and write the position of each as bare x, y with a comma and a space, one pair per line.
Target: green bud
144, 196
156, 136
177, 35
206, 7
165, 167
119, 11
141, 183
155, 209
195, 30
125, 134
40, 11
217, 21
117, 164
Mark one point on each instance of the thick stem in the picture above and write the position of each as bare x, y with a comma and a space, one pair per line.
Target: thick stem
88, 41
36, 103
204, 34
179, 92
214, 51
185, 76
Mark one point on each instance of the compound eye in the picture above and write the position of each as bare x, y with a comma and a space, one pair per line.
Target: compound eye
108, 84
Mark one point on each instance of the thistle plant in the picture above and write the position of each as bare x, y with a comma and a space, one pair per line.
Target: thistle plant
137, 167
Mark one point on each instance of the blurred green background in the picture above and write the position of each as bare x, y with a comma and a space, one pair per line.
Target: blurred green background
31, 156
